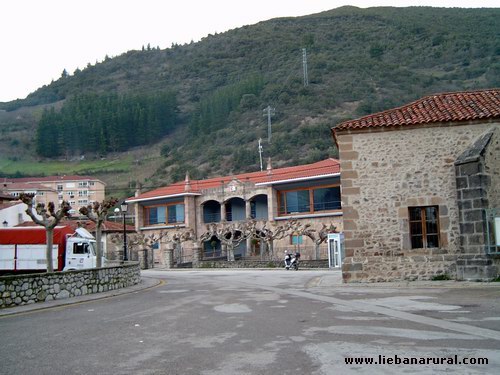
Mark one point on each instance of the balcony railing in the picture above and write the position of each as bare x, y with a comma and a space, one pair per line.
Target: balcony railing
213, 217
306, 208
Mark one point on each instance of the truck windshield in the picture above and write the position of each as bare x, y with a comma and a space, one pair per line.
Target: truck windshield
80, 248
83, 248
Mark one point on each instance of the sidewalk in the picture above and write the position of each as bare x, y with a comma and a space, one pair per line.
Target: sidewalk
146, 283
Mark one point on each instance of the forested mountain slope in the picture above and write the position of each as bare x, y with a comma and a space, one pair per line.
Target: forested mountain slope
358, 61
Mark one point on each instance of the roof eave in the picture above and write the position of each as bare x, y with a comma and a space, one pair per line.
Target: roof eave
137, 200
329, 175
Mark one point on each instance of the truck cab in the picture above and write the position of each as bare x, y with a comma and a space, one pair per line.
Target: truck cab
80, 251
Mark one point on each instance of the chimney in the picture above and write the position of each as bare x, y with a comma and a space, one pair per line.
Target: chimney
269, 167
137, 188
187, 183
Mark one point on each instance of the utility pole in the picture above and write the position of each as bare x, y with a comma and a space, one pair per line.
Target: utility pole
269, 112
260, 153
304, 65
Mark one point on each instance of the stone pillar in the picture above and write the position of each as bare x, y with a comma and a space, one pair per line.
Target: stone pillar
248, 209
168, 255
197, 255
472, 186
272, 203
223, 211
190, 213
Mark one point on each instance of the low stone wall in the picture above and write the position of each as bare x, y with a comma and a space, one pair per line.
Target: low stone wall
260, 264
32, 288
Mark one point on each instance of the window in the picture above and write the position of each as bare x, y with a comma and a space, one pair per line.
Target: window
296, 239
296, 201
175, 213
168, 214
311, 200
326, 199
424, 227
81, 248
82, 184
59, 188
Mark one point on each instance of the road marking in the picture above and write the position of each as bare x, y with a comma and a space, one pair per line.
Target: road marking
373, 308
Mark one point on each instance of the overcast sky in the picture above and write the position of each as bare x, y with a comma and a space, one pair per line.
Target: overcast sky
40, 38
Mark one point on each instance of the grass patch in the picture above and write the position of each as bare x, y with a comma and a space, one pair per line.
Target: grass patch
48, 168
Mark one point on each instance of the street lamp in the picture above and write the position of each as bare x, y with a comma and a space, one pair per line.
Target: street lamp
123, 207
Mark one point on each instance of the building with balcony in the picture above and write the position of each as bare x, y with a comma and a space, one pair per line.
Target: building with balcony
307, 195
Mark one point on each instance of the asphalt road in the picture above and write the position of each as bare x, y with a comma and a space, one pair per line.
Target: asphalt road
218, 322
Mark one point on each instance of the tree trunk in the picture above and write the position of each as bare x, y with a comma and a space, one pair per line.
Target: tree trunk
98, 249
48, 253
316, 247
270, 248
230, 253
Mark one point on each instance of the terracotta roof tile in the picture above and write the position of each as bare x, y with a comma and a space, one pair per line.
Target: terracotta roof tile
107, 226
448, 107
324, 167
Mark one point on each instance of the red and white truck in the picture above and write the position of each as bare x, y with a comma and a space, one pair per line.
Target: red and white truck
23, 249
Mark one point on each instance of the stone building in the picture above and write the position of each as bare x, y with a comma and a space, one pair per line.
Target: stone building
421, 189
296, 206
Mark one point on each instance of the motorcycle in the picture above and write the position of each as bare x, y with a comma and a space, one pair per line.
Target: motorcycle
292, 261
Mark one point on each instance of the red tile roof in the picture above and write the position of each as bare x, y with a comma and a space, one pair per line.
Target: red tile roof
25, 186
315, 170
448, 107
107, 226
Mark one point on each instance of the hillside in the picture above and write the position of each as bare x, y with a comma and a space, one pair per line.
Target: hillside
359, 61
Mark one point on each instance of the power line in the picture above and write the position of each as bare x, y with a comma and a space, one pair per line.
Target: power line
269, 112
304, 67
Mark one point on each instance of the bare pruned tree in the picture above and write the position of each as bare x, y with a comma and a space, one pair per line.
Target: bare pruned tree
229, 234
97, 213
48, 218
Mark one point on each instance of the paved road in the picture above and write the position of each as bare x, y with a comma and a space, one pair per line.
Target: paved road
219, 322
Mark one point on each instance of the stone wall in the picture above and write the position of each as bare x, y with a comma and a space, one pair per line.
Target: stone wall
260, 264
26, 289
384, 172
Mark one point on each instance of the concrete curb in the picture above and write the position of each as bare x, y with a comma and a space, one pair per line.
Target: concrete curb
146, 283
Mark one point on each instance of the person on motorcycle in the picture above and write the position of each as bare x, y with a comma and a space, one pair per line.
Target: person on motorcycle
288, 259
